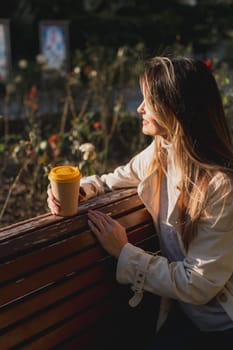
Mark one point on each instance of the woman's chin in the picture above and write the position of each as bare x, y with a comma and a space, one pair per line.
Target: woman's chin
147, 132
156, 131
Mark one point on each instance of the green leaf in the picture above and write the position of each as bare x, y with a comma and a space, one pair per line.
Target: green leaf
2, 147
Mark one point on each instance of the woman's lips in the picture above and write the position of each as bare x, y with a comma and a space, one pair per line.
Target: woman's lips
145, 122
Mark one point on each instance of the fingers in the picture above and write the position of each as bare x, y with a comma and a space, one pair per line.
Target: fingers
109, 232
100, 220
81, 198
82, 194
94, 229
52, 202
95, 224
101, 216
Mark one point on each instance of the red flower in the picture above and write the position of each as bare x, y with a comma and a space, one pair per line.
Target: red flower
97, 125
31, 101
53, 140
33, 93
209, 65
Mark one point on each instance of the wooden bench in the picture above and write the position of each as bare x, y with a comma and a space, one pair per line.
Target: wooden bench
58, 288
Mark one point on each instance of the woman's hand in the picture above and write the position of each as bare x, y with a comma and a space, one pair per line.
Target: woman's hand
52, 202
109, 232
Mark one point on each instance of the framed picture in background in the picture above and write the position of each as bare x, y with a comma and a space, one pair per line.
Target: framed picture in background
54, 45
5, 51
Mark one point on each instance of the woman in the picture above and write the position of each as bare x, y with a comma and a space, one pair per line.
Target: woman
185, 179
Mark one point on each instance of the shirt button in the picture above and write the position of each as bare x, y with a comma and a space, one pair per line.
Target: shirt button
223, 297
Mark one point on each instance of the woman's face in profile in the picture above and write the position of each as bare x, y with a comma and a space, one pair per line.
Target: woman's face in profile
150, 126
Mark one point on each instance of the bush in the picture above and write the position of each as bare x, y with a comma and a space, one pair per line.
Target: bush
93, 129
94, 126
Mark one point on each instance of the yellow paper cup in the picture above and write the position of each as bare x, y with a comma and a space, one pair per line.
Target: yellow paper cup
65, 183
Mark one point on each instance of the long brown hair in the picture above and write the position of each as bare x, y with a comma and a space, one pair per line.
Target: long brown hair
185, 100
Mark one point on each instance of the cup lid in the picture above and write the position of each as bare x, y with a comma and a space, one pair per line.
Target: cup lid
64, 174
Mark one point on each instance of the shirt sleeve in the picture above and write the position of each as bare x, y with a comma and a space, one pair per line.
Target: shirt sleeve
207, 266
125, 176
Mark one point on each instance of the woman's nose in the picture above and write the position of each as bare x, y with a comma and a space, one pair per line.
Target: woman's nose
140, 108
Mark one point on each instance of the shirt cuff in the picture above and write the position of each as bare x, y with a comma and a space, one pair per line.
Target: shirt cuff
132, 268
93, 186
